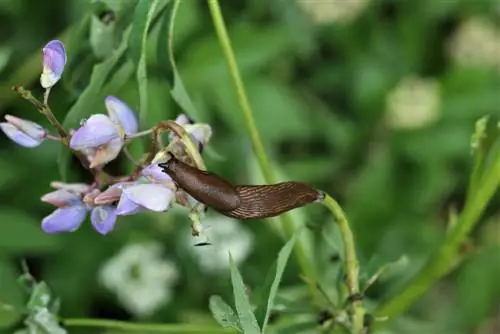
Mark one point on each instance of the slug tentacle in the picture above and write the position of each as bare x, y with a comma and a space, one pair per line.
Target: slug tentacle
243, 201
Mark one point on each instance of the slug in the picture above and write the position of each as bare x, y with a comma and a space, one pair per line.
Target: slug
242, 201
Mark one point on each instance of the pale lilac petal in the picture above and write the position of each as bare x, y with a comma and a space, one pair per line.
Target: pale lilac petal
183, 119
119, 112
107, 152
18, 136
153, 197
96, 131
103, 218
200, 132
61, 198
30, 128
54, 60
127, 207
155, 172
65, 219
76, 188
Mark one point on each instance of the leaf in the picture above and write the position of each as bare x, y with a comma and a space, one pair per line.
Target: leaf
271, 287
11, 294
21, 233
90, 100
248, 322
139, 29
485, 136
387, 270
223, 313
179, 93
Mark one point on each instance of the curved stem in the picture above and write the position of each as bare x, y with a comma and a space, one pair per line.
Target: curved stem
445, 257
351, 264
143, 327
287, 221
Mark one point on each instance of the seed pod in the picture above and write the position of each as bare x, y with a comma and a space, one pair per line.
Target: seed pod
243, 201
207, 188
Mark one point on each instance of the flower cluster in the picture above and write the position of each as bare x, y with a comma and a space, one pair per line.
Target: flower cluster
100, 139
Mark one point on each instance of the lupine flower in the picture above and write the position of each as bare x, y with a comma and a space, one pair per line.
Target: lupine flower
200, 134
23, 132
54, 60
72, 210
224, 234
101, 137
140, 277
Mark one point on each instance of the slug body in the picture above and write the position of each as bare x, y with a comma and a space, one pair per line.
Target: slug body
205, 187
243, 201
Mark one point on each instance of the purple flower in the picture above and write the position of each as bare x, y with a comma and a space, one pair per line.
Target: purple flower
23, 132
120, 113
103, 218
72, 210
54, 60
101, 137
149, 196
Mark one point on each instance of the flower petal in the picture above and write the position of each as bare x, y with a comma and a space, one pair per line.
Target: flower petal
200, 132
54, 60
18, 136
153, 197
76, 188
30, 128
96, 131
103, 218
106, 152
65, 219
119, 112
127, 207
61, 198
110, 195
155, 172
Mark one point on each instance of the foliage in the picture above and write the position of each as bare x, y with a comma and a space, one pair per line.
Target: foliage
376, 105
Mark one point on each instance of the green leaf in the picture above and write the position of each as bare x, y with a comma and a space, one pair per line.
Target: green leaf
485, 136
102, 36
248, 322
179, 92
11, 294
91, 99
223, 313
139, 29
30, 236
270, 289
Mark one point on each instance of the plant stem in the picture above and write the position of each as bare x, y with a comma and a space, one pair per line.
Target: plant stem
143, 327
44, 110
351, 264
264, 164
444, 258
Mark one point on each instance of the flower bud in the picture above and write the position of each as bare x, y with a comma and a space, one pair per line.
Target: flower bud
54, 60
23, 132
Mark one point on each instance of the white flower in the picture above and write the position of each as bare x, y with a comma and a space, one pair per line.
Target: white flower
414, 103
476, 43
224, 235
328, 11
141, 279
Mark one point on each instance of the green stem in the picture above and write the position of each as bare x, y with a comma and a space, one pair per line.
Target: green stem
264, 164
144, 327
443, 260
351, 264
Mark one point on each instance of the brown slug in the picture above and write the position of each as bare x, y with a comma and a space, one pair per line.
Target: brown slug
242, 201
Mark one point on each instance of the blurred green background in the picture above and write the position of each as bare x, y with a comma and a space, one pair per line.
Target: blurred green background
373, 101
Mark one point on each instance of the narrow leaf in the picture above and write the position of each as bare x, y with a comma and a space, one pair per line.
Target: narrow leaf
223, 313
271, 287
179, 93
248, 322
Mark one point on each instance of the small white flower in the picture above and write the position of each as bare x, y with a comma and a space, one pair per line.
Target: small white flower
141, 279
476, 43
333, 11
414, 103
224, 235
